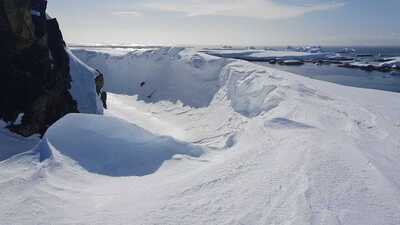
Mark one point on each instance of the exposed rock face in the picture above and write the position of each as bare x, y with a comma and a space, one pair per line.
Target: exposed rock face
99, 88
34, 69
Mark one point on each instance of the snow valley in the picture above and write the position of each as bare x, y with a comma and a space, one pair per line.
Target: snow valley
190, 138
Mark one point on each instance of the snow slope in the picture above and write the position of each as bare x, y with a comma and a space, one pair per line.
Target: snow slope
269, 147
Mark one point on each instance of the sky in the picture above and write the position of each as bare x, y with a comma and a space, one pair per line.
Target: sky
229, 22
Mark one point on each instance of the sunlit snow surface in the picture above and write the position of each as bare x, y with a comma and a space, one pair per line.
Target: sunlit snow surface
222, 142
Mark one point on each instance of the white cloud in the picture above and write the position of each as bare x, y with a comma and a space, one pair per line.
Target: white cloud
127, 13
264, 9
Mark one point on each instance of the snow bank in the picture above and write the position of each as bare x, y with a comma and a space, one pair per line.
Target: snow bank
173, 74
156, 75
110, 146
83, 87
176, 74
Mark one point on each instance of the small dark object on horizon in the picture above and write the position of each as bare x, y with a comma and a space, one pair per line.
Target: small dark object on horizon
151, 95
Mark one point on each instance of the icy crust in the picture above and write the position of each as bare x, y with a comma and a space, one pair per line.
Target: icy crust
83, 86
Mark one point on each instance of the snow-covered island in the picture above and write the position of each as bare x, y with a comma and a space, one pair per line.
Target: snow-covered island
190, 138
298, 56
268, 54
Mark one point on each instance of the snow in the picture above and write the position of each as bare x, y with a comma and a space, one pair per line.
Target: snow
166, 75
245, 144
360, 64
110, 146
394, 62
83, 86
12, 144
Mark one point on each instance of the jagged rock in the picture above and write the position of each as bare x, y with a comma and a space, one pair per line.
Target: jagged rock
34, 67
99, 80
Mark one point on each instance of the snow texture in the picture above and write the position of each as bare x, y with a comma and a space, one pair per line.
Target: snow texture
224, 142
110, 146
83, 86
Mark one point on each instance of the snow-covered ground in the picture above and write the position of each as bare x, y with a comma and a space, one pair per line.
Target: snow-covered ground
210, 141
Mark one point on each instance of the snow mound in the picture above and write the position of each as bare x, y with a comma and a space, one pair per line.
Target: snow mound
83, 87
110, 146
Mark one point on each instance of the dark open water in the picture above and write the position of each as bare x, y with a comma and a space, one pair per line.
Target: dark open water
345, 76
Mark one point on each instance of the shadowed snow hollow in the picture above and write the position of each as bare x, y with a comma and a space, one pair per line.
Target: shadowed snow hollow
111, 146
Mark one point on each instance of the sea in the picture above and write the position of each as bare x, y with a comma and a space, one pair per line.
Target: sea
350, 77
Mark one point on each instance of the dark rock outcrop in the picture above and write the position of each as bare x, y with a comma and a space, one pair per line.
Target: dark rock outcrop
99, 88
34, 69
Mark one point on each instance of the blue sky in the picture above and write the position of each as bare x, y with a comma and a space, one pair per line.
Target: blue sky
231, 22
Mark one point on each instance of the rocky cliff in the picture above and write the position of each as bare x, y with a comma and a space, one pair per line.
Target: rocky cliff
36, 86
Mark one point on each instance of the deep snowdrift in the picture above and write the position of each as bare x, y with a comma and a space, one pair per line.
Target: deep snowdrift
110, 146
278, 149
175, 74
161, 74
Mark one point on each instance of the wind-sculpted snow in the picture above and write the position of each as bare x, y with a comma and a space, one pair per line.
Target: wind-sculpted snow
83, 87
271, 148
110, 146
176, 74
250, 90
